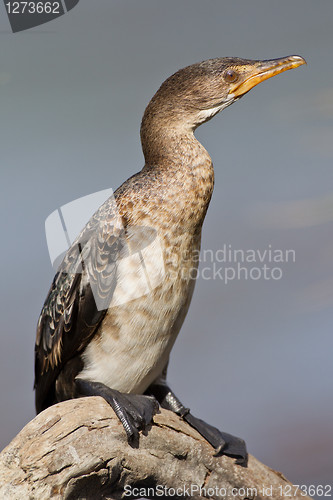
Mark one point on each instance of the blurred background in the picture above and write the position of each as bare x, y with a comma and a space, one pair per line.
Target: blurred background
254, 357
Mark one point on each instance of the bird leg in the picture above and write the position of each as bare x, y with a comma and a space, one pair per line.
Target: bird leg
134, 411
224, 444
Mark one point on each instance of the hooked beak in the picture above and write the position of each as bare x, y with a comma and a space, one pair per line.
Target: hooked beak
264, 70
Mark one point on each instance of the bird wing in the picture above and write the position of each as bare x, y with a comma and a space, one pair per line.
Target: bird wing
78, 299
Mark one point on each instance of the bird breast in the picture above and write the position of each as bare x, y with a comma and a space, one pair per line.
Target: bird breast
155, 281
133, 343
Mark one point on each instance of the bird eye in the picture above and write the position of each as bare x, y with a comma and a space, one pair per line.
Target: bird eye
230, 76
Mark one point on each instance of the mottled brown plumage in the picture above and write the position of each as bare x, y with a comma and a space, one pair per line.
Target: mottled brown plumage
126, 343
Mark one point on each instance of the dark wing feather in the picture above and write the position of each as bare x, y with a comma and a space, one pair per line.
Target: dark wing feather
78, 298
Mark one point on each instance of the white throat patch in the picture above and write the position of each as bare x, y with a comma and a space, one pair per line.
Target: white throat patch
205, 114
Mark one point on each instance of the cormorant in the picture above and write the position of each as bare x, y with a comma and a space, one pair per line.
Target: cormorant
94, 337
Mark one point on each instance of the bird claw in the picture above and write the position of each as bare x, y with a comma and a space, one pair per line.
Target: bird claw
134, 411
224, 444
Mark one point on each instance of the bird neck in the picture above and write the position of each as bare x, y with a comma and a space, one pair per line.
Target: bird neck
168, 140
183, 165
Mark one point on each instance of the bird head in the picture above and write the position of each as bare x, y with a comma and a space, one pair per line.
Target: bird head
195, 94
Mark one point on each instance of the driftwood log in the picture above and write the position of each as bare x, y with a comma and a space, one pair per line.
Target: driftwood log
78, 450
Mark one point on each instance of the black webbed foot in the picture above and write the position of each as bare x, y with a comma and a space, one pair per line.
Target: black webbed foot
224, 444
134, 411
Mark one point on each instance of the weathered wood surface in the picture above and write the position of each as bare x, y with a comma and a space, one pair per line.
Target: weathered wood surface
78, 450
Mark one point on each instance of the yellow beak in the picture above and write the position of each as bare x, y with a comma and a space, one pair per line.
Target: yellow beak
264, 70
